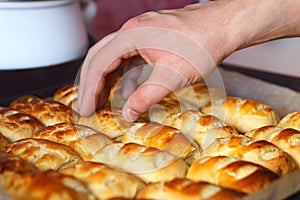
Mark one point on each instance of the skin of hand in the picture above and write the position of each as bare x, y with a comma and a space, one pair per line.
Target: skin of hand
182, 46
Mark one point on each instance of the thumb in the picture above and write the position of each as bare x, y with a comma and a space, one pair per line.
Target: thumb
161, 82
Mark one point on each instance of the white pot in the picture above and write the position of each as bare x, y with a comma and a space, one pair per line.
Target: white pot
42, 33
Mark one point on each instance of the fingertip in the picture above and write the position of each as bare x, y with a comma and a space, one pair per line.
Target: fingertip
128, 114
141, 100
83, 111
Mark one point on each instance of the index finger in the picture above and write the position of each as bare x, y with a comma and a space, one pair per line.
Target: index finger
102, 59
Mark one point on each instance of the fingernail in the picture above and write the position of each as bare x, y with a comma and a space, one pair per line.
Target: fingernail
130, 115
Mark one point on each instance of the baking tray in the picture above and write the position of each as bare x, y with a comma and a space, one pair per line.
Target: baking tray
287, 100
41, 81
286, 187
30, 81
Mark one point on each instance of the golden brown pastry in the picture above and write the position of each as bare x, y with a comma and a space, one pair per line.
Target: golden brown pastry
167, 106
231, 172
242, 114
198, 94
291, 120
108, 121
286, 139
44, 154
83, 139
192, 97
106, 182
148, 163
202, 128
46, 185
260, 152
67, 95
14, 163
123, 198
15, 125
48, 112
3, 142
180, 188
162, 137
115, 99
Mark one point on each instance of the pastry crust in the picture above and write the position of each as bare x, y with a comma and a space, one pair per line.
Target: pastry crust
198, 94
287, 139
115, 99
108, 121
106, 182
202, 128
260, 152
48, 112
3, 142
231, 172
48, 185
167, 106
14, 163
148, 163
162, 137
243, 114
291, 120
186, 189
67, 95
44, 154
15, 125
83, 139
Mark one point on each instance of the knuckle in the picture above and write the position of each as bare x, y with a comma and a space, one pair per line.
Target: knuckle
130, 24
139, 21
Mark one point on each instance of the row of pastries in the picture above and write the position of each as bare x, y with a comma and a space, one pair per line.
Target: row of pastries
197, 143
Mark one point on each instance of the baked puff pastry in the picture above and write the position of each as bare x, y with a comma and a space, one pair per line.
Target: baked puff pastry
291, 120
115, 98
83, 139
192, 97
231, 172
106, 182
44, 154
67, 95
260, 152
148, 163
181, 188
242, 114
3, 142
48, 112
287, 139
162, 137
47, 184
202, 128
167, 106
108, 121
15, 125
198, 94
14, 163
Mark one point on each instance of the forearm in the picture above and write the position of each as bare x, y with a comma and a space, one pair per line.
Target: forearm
258, 21
224, 26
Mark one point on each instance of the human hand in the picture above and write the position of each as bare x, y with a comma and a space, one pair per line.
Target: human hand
182, 46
